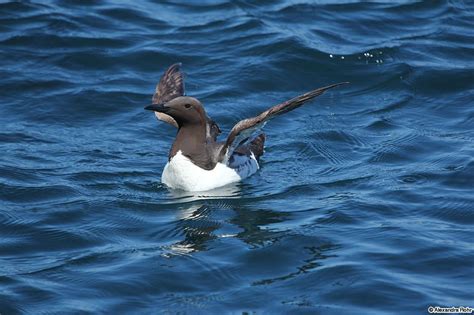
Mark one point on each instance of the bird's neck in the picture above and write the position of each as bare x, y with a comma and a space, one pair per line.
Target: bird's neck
190, 140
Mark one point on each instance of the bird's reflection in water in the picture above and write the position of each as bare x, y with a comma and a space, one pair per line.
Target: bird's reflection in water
202, 214
197, 228
226, 212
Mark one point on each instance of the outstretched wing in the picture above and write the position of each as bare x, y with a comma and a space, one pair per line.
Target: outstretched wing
244, 129
171, 85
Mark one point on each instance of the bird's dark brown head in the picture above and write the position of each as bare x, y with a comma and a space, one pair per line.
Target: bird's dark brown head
184, 109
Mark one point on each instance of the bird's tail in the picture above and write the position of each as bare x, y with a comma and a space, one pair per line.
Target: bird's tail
257, 145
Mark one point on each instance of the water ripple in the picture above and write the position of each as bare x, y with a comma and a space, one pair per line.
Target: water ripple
364, 197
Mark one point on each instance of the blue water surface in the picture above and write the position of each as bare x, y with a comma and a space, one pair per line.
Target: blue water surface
364, 203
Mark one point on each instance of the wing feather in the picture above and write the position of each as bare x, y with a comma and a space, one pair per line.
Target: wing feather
171, 85
244, 129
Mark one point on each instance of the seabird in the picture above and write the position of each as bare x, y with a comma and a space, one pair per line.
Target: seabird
197, 161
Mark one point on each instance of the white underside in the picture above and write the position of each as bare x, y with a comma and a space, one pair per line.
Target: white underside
181, 173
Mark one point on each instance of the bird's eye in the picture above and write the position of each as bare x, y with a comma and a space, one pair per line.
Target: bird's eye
187, 105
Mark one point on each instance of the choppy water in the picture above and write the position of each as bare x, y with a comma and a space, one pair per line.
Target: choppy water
364, 203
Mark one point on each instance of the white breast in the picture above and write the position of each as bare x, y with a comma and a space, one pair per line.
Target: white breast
181, 173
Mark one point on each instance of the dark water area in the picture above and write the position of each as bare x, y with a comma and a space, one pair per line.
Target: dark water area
364, 202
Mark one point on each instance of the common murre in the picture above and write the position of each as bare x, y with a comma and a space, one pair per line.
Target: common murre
197, 161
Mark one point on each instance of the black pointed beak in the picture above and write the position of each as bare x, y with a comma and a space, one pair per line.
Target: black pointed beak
157, 108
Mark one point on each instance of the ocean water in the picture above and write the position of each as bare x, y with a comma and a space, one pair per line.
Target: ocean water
365, 199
